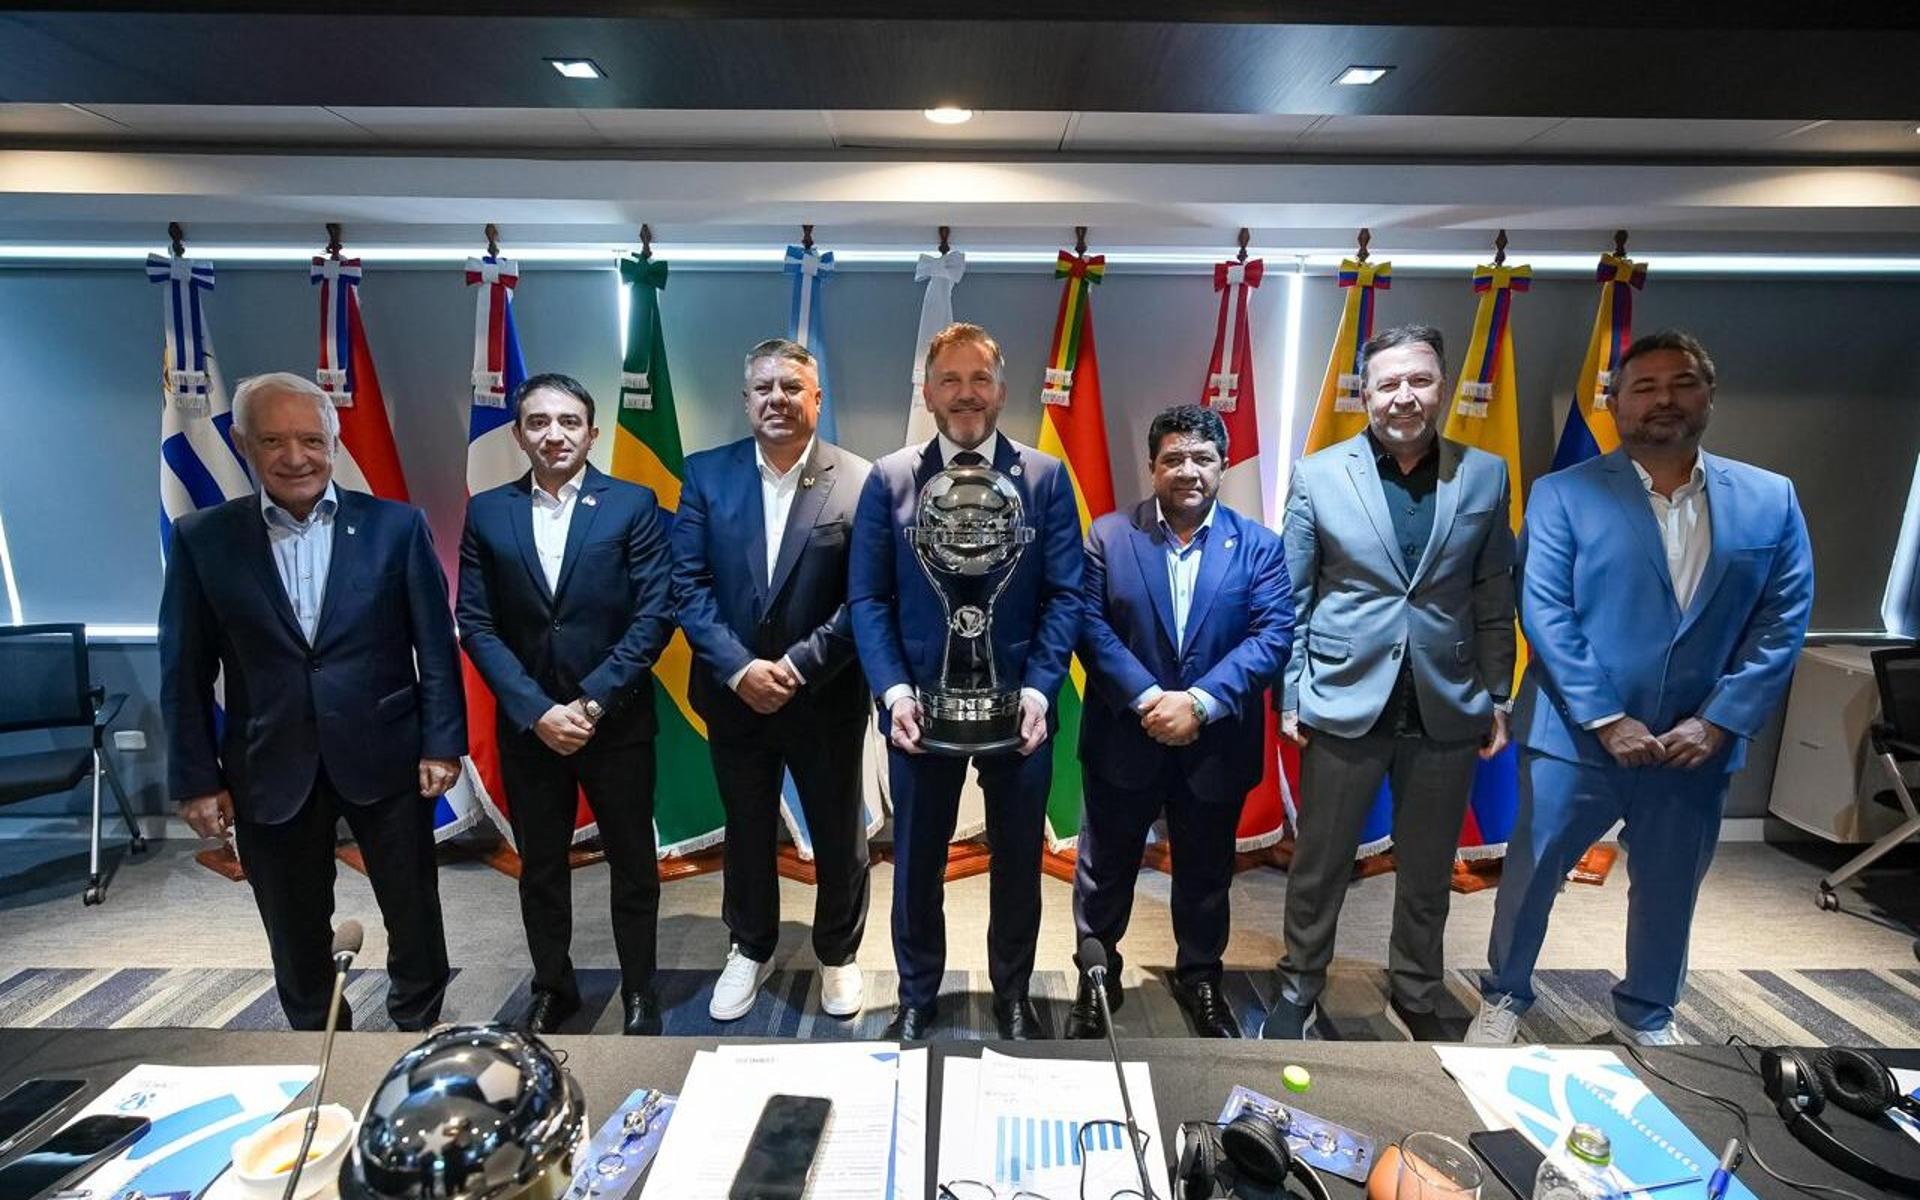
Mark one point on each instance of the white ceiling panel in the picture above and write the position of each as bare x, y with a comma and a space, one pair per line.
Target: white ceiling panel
1592, 135
229, 122
896, 129
1179, 133
506, 127
640, 127
1422, 135
1852, 137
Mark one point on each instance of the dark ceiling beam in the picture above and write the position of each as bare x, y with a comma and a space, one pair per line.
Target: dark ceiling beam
1109, 66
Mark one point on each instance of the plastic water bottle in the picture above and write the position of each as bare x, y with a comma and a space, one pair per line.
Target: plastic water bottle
1578, 1170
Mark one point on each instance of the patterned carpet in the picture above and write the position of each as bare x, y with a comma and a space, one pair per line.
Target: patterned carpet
1811, 1007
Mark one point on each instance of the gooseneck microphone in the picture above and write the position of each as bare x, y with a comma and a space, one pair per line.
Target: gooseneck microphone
346, 943
1093, 960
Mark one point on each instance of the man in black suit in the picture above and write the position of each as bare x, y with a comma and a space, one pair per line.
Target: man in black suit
564, 609
760, 582
327, 612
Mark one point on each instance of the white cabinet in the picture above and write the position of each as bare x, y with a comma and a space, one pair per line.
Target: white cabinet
1826, 774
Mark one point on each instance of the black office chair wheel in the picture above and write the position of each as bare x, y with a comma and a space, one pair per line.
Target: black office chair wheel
139, 844
1827, 900
93, 895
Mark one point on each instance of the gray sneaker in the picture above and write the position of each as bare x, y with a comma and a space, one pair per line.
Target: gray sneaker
1496, 1024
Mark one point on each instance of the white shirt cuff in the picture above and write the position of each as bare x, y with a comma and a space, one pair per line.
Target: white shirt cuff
1154, 692
1037, 696
787, 662
1214, 709
892, 695
733, 680
1609, 719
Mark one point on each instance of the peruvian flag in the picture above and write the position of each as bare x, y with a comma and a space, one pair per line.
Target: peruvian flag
1229, 391
494, 458
368, 460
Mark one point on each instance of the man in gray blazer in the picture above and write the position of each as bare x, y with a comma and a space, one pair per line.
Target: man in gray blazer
1401, 554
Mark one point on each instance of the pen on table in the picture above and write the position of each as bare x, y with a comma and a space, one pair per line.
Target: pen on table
1723, 1173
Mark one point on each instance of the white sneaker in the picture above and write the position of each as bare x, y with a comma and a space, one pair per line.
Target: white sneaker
843, 990
1496, 1024
1666, 1035
739, 983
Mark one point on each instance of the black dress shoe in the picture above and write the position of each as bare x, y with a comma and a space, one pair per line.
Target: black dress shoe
1206, 1007
643, 1014
549, 1011
1084, 1019
1019, 1020
1289, 1021
1422, 1026
910, 1023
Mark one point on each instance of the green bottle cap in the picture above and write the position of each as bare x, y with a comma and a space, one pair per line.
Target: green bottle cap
1296, 1079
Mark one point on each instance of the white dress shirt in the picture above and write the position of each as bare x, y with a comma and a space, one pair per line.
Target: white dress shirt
777, 490
302, 554
1686, 533
552, 517
1183, 572
987, 450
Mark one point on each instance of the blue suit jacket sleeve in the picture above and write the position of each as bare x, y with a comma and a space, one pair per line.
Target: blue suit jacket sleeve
827, 650
1554, 637
1303, 571
713, 640
1763, 664
650, 569
1112, 667
1238, 679
871, 590
443, 704
521, 700
189, 663
1063, 563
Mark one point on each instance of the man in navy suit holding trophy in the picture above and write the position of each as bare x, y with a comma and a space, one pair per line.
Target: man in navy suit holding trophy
901, 628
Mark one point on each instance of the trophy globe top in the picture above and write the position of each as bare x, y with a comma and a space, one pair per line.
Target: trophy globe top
969, 521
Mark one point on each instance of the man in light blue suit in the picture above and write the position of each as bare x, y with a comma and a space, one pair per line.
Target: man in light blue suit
1664, 594
1188, 619
1401, 556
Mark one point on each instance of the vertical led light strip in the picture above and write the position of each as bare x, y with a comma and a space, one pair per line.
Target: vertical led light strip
1900, 604
6, 575
1290, 379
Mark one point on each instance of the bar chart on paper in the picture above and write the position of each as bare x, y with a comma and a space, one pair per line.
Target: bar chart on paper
1026, 1146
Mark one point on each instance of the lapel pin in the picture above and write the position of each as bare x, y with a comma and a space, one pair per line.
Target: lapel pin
1228, 544
590, 500
1014, 470
806, 481
349, 529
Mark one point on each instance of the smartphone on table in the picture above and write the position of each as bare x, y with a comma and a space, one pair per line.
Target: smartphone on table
780, 1155
26, 1107
69, 1155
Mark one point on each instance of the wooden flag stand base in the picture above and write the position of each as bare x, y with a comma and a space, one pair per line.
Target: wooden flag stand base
791, 866
501, 857
1281, 855
222, 861
967, 858
1159, 856
1482, 874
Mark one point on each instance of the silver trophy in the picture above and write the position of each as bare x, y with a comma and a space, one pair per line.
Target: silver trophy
968, 536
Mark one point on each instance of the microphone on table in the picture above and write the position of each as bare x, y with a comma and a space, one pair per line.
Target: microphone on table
346, 943
1093, 960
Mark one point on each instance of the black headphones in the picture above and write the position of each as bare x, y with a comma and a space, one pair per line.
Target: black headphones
1801, 1085
1246, 1157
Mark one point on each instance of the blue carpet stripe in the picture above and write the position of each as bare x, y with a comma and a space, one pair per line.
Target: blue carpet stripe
1574, 1005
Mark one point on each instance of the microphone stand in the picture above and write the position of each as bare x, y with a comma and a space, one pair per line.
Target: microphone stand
1097, 976
342, 959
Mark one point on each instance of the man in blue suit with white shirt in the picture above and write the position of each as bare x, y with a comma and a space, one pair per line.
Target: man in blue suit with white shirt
1664, 593
900, 629
1189, 616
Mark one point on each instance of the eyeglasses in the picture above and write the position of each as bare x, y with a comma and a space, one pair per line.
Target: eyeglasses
974, 1189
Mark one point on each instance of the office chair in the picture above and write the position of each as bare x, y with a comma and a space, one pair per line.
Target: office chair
44, 685
1896, 740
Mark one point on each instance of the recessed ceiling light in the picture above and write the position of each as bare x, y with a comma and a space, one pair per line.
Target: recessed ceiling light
1361, 76
578, 68
948, 116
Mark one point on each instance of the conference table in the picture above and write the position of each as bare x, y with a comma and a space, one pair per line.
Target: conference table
1384, 1089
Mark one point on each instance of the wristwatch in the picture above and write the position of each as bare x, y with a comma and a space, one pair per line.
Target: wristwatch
593, 709
1199, 709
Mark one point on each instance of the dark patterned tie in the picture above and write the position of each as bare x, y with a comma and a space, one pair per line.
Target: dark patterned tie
969, 458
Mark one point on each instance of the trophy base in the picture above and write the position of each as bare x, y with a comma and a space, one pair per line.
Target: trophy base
960, 724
